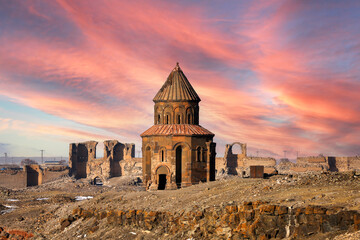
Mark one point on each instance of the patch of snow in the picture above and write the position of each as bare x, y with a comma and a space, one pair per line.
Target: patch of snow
10, 209
12, 200
133, 233
42, 199
10, 206
80, 198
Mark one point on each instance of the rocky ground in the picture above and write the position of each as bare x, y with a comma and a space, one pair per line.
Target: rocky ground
38, 211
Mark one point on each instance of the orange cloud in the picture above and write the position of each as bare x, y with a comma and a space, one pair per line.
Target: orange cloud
267, 78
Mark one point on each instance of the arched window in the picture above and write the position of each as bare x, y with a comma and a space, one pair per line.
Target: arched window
158, 120
167, 119
198, 154
162, 155
178, 119
189, 118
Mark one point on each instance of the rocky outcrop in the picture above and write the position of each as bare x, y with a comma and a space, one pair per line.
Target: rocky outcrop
14, 234
250, 220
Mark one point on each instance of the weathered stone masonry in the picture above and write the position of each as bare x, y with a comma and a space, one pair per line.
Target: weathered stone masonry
250, 220
177, 151
84, 164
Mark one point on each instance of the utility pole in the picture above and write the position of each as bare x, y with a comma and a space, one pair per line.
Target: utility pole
42, 156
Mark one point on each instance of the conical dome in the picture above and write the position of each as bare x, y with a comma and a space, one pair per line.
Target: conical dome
176, 88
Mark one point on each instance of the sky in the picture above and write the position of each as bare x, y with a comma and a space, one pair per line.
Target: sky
277, 75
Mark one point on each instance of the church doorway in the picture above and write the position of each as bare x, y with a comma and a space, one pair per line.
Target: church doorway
162, 181
162, 173
178, 166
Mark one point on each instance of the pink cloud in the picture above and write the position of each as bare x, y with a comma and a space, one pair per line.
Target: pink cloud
124, 51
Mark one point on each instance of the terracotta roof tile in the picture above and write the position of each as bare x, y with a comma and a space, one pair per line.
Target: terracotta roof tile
176, 88
176, 129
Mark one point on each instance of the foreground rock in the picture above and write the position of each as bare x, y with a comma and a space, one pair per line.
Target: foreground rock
305, 206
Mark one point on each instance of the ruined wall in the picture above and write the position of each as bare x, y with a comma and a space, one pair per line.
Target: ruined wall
239, 164
12, 179
32, 175
84, 164
342, 164
320, 163
354, 162
311, 159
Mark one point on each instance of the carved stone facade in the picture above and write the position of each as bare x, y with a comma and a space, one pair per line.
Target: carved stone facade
84, 164
239, 164
177, 151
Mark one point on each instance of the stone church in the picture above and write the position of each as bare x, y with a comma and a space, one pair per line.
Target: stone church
177, 151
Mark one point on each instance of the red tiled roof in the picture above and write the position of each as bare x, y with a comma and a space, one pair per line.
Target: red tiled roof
176, 88
176, 129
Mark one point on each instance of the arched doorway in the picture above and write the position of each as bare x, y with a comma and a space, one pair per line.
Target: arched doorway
98, 181
178, 166
162, 173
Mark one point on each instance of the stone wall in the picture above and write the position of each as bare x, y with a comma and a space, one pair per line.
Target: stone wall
84, 164
12, 179
311, 159
31, 176
239, 164
343, 164
250, 220
319, 163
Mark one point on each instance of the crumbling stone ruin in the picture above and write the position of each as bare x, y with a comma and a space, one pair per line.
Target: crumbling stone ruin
177, 151
117, 158
319, 163
239, 164
343, 164
33, 175
30, 175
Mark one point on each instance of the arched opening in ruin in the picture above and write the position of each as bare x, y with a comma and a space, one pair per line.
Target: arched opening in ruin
189, 118
178, 165
162, 173
97, 181
198, 154
148, 163
159, 118
236, 149
178, 119
118, 155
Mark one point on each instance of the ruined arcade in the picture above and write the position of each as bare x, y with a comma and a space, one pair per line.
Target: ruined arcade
177, 151
84, 164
